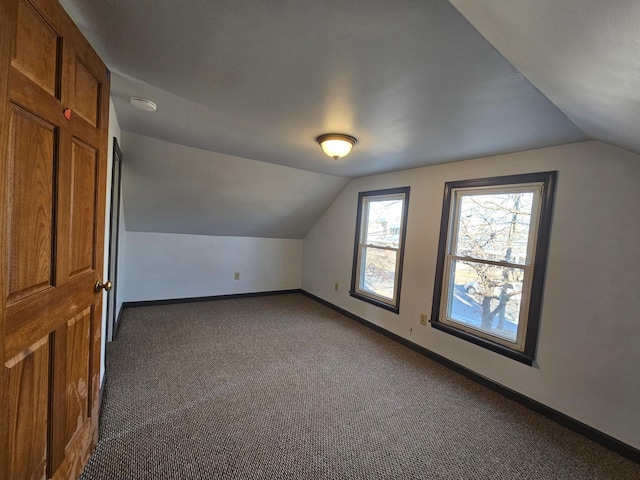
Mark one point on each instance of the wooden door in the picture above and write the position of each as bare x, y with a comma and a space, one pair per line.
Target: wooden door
53, 142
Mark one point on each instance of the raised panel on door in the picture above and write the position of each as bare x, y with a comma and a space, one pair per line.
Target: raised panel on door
37, 49
86, 96
27, 387
84, 168
72, 390
78, 380
31, 157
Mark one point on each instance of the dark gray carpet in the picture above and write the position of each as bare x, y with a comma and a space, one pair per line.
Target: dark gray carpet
282, 387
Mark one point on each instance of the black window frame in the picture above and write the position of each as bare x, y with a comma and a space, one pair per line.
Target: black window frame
354, 290
548, 181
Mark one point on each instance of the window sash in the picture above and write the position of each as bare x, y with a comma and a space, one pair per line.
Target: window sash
446, 305
361, 288
458, 193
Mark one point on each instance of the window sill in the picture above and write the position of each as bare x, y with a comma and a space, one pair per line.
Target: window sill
377, 303
483, 342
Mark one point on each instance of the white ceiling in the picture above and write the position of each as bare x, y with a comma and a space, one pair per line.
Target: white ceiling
584, 55
217, 194
413, 80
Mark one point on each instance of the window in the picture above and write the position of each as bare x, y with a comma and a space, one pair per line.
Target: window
491, 261
379, 247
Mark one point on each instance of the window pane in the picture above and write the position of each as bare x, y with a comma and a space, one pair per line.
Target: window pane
486, 298
379, 271
495, 226
383, 222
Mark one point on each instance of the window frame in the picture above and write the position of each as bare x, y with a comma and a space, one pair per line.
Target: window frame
364, 198
524, 348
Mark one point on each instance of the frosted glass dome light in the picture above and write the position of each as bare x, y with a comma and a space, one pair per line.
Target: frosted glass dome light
336, 145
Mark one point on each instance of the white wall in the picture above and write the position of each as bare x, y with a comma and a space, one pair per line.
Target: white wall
114, 131
170, 266
589, 341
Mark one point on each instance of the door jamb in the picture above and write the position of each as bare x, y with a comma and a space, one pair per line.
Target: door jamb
114, 241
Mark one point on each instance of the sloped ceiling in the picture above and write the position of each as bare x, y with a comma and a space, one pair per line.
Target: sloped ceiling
413, 80
177, 189
584, 55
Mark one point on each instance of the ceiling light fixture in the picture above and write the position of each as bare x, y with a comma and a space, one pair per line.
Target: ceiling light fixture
336, 145
143, 104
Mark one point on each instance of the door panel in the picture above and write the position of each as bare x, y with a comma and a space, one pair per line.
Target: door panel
37, 49
27, 381
83, 206
53, 143
78, 381
31, 147
71, 416
87, 93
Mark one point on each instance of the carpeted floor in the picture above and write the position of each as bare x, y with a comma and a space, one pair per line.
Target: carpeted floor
282, 387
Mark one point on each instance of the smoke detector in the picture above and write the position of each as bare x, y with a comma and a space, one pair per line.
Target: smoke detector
143, 104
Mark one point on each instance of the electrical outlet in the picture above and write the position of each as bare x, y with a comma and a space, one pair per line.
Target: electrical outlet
336, 287
236, 276
423, 319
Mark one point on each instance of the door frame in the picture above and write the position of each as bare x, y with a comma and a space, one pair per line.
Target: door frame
114, 242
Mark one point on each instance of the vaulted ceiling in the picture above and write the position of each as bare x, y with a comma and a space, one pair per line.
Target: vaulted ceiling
418, 82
